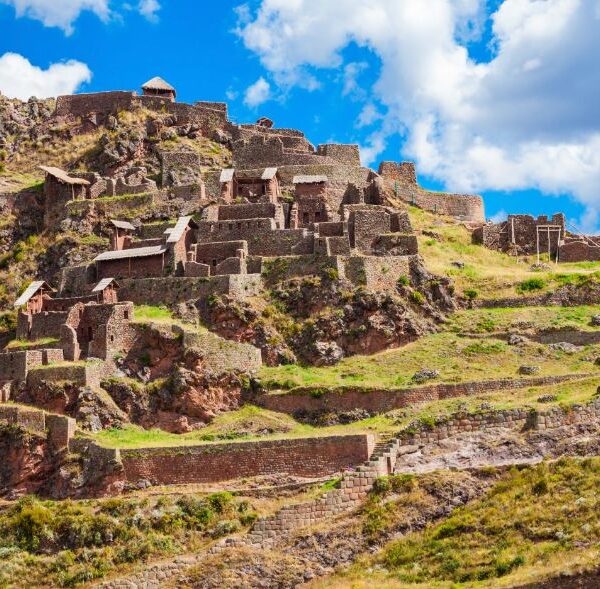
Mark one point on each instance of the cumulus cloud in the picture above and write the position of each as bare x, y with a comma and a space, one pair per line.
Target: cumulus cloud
352, 86
59, 13
64, 13
20, 79
528, 117
257, 93
149, 9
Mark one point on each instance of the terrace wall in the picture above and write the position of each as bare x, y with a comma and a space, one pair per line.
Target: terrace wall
305, 457
313, 399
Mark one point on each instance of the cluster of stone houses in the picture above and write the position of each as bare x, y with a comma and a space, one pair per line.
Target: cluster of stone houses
282, 199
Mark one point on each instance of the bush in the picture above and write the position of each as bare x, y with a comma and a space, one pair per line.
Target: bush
540, 487
403, 280
417, 298
470, 294
331, 274
531, 285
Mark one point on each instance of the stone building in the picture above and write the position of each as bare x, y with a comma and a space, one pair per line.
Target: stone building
32, 298
524, 234
541, 236
158, 87
60, 188
310, 201
250, 185
147, 258
122, 234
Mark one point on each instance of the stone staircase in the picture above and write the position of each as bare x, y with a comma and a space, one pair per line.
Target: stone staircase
353, 488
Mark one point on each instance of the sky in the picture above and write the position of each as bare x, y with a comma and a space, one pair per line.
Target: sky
494, 97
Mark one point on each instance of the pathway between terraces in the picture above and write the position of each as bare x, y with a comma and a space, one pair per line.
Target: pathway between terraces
463, 441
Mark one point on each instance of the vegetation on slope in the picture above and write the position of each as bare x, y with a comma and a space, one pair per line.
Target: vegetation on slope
457, 358
64, 544
490, 274
535, 523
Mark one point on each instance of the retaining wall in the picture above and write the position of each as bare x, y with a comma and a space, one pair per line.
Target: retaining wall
313, 399
171, 290
59, 428
305, 457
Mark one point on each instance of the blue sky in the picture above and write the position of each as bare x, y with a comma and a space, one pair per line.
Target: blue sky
496, 97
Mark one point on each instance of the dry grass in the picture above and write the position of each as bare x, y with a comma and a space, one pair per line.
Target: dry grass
492, 274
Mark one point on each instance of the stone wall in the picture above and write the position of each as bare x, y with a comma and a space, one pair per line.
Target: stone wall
176, 165
259, 210
59, 428
99, 102
579, 251
303, 457
78, 374
16, 365
314, 399
377, 273
521, 232
172, 290
401, 178
219, 355
280, 269
349, 155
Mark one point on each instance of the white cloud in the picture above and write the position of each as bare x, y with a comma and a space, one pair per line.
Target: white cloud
257, 93
149, 9
59, 13
352, 86
368, 115
529, 117
20, 79
500, 216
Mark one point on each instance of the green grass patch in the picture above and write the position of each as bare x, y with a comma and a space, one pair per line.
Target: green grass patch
68, 543
17, 344
535, 520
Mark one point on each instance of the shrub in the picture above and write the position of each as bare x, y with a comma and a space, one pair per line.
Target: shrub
416, 297
531, 284
331, 274
403, 280
219, 501
470, 294
381, 486
540, 487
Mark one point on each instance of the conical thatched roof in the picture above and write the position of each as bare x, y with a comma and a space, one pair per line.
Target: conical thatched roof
158, 84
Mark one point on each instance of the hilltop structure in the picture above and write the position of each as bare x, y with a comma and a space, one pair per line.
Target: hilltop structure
312, 209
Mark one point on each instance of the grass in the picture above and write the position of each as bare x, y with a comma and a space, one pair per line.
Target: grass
245, 424
69, 543
457, 358
254, 423
154, 314
491, 274
18, 344
535, 523
502, 320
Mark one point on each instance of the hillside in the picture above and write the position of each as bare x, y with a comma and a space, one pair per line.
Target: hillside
234, 359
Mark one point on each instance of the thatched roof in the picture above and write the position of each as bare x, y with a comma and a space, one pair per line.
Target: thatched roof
105, 282
122, 225
176, 232
136, 252
158, 84
31, 290
62, 176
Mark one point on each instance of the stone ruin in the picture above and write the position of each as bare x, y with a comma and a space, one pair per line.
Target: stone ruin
529, 236
282, 200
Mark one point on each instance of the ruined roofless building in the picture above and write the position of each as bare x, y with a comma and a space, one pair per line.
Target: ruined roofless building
158, 87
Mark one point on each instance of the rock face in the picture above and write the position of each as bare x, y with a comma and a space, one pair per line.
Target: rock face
320, 321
